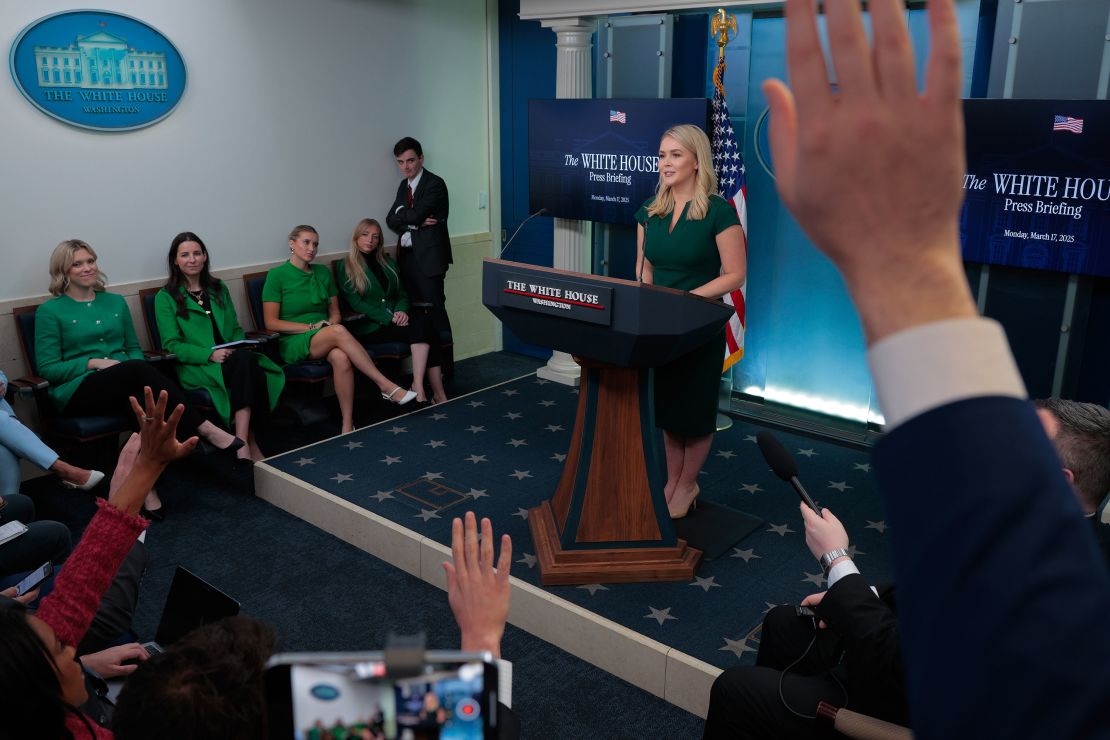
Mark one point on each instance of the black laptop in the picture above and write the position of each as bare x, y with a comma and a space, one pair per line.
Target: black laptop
191, 602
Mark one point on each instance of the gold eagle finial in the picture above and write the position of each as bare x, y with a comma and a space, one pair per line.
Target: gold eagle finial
721, 25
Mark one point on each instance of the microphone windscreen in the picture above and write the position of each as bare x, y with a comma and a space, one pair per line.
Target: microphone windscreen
777, 456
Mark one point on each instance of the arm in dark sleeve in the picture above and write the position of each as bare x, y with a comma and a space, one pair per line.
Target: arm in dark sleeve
392, 219
433, 202
867, 627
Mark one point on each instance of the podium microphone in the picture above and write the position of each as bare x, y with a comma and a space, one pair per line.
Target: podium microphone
518, 228
783, 465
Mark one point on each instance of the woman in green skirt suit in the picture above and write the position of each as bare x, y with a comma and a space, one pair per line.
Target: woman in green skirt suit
299, 300
689, 238
194, 313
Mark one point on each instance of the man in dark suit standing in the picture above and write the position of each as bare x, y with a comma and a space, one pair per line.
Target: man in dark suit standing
419, 216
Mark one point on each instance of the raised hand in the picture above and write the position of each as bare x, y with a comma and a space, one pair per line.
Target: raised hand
477, 592
158, 443
872, 171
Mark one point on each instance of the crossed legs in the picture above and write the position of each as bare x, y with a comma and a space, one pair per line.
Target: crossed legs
345, 354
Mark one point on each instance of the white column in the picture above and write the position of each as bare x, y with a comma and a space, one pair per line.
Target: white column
573, 79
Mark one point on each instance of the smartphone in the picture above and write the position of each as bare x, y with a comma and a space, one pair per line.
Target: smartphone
805, 611
11, 530
453, 697
34, 578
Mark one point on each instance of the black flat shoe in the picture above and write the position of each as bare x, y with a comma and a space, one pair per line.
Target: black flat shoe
207, 448
244, 463
155, 515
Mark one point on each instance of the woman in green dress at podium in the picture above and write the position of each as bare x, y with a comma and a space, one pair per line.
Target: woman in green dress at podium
689, 238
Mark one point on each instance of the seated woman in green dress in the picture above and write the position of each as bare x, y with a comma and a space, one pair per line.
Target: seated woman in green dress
689, 238
194, 313
371, 284
299, 302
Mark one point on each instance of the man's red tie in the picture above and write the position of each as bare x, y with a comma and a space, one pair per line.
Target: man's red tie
409, 189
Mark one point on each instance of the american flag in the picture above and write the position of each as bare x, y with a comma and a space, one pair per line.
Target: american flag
1067, 123
617, 116
729, 166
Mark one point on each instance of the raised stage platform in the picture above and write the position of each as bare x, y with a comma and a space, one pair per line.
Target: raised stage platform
392, 489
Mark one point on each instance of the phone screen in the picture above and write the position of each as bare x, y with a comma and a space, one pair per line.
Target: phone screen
34, 578
355, 699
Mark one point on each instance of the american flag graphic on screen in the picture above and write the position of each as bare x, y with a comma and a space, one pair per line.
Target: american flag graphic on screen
1067, 123
617, 116
729, 166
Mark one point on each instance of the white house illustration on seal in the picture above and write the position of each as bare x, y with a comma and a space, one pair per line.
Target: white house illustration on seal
102, 62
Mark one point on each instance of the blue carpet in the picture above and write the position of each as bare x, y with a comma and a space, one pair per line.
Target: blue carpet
499, 452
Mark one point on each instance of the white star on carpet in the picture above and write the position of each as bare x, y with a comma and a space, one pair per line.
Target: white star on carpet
522, 513
593, 588
528, 559
540, 381
770, 606
706, 583
554, 427
434, 443
517, 442
780, 529
520, 474
476, 459
510, 392
547, 403
879, 525
431, 476
305, 461
853, 551
382, 495
474, 429
751, 487
807, 452
750, 438
737, 647
439, 416
389, 460
726, 454
397, 430
476, 493
427, 514
659, 615
839, 485
512, 415
746, 554
815, 578
342, 477
865, 467
476, 404
353, 445
559, 456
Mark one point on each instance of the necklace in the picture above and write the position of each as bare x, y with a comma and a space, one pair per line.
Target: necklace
199, 297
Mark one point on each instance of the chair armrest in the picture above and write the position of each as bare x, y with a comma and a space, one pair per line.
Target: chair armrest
262, 336
28, 385
152, 356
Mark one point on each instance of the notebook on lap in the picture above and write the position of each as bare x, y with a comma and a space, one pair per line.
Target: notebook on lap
191, 602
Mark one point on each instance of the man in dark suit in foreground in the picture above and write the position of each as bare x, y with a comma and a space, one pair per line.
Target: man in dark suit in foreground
419, 216
1002, 591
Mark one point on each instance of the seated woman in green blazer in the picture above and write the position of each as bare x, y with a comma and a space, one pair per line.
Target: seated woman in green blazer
194, 314
371, 284
299, 301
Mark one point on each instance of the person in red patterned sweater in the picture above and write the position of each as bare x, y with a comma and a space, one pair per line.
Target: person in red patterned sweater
40, 679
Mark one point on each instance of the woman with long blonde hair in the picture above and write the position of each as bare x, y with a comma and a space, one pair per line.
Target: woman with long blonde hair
371, 284
688, 237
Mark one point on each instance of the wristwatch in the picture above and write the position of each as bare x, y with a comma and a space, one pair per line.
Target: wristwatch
828, 558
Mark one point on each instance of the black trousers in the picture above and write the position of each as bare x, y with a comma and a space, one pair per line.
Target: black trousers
427, 299
41, 542
418, 330
105, 393
245, 382
745, 702
117, 606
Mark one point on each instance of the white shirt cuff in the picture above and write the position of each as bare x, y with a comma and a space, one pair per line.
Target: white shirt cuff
505, 682
406, 239
844, 568
935, 364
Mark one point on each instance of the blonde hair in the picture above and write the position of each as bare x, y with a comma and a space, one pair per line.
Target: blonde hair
692, 139
355, 261
61, 259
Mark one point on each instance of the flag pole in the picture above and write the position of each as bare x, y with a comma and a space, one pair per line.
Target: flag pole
721, 25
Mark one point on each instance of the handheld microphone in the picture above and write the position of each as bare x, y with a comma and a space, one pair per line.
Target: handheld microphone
783, 465
518, 228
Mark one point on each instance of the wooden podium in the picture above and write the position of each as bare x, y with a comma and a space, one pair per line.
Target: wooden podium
608, 520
